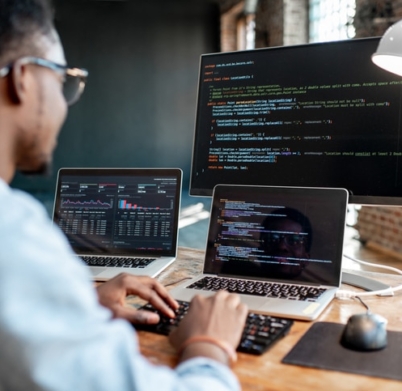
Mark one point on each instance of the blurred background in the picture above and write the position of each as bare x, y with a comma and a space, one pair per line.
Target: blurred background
138, 109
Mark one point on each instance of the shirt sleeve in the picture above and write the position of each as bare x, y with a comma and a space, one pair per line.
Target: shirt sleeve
53, 332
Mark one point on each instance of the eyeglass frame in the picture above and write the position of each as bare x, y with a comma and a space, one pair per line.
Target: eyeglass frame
286, 238
63, 70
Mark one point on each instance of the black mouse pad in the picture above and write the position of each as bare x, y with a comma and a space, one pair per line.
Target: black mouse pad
320, 348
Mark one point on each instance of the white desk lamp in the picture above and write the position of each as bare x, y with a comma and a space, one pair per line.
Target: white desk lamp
389, 52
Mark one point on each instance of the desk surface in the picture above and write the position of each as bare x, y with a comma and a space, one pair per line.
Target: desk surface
266, 372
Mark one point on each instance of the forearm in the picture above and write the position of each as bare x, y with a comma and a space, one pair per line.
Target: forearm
204, 349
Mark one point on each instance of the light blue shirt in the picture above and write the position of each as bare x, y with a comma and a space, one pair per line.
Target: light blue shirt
54, 335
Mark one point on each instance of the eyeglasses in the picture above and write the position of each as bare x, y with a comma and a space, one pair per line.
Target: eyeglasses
293, 240
74, 79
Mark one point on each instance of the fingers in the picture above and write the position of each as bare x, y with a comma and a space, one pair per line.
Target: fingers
229, 299
222, 299
150, 290
144, 317
158, 296
221, 316
136, 316
234, 301
162, 293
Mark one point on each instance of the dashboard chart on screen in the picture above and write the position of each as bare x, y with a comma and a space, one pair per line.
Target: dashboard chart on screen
317, 115
124, 211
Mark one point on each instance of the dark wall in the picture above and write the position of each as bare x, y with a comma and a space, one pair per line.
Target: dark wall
138, 108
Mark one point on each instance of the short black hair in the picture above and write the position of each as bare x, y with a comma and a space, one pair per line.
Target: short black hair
293, 215
20, 23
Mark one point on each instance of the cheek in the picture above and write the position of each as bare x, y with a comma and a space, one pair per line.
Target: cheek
55, 108
51, 113
63, 111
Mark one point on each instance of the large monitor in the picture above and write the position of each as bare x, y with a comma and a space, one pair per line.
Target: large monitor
315, 115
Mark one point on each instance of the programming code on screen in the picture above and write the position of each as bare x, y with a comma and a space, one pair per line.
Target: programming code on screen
246, 235
311, 115
274, 232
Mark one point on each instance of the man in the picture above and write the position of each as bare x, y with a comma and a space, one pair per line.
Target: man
286, 243
56, 331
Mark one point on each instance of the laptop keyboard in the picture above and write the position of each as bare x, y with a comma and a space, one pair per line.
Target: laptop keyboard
259, 288
117, 261
259, 333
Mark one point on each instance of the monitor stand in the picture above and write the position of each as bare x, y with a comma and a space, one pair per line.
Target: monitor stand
365, 283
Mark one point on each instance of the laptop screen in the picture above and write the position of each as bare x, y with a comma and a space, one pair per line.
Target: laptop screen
119, 211
277, 233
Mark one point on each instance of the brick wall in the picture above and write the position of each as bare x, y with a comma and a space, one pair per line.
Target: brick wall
381, 228
229, 20
278, 22
269, 24
373, 17
296, 22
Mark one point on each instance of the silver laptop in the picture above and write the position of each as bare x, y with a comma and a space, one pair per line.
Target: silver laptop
280, 248
120, 219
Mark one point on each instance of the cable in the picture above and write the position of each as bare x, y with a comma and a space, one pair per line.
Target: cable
345, 294
365, 305
394, 269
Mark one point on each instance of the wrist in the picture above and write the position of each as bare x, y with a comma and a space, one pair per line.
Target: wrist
206, 346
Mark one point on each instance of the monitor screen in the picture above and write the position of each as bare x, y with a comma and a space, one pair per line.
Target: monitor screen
315, 115
119, 210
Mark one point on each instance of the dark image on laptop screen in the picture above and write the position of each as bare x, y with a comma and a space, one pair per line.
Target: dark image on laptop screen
291, 234
117, 212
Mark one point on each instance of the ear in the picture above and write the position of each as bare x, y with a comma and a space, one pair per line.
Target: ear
18, 83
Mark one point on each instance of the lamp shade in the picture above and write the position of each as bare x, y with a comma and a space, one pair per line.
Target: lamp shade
389, 52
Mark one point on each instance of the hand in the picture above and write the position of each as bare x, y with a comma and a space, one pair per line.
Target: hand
221, 316
112, 295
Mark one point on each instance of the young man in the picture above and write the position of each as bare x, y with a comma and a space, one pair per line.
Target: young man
56, 331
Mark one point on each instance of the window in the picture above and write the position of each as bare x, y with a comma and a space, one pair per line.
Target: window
331, 20
246, 32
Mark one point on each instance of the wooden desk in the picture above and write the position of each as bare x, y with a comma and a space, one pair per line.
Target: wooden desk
266, 372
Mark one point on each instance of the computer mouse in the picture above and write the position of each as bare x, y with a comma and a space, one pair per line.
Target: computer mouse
365, 332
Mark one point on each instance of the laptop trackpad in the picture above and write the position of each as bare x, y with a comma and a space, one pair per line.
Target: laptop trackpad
97, 270
255, 303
